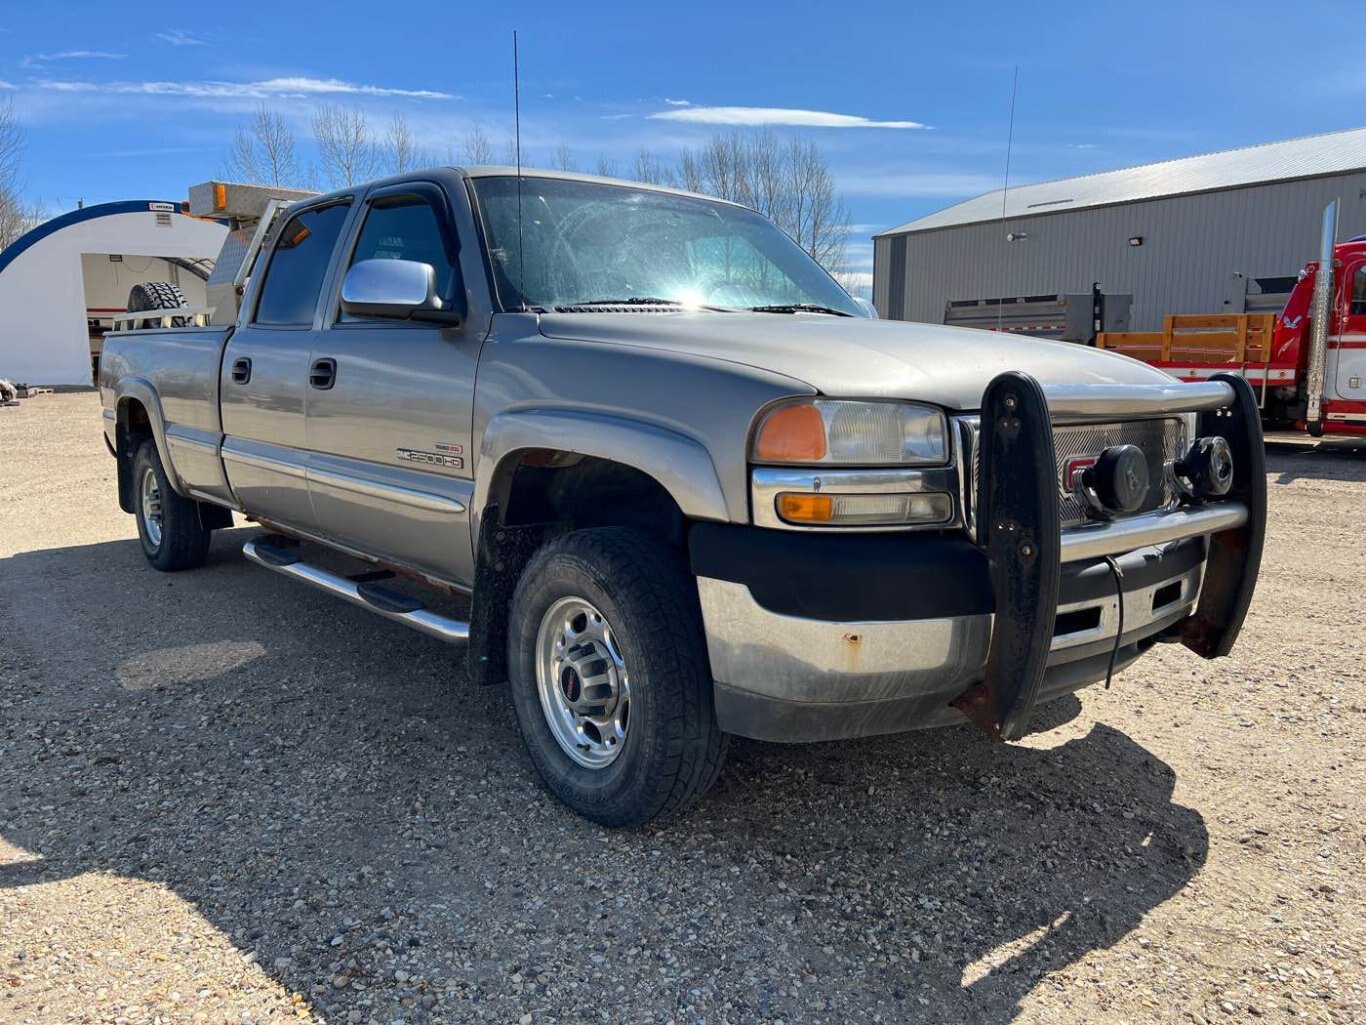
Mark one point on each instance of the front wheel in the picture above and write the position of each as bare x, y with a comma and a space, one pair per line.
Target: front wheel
610, 680
169, 526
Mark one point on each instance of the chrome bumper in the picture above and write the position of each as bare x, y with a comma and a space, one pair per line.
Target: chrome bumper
786, 678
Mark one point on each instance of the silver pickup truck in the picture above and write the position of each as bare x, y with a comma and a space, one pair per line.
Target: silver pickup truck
688, 486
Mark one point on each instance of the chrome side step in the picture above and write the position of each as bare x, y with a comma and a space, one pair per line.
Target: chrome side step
366, 594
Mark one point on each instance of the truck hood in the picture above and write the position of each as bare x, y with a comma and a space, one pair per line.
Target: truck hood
850, 357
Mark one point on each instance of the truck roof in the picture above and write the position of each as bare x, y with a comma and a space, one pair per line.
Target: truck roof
507, 171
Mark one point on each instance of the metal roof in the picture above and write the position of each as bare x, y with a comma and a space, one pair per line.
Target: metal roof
1306, 157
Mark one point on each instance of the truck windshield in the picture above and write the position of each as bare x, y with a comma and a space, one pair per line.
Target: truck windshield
590, 243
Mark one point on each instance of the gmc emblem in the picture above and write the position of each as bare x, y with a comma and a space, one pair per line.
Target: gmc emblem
1072, 468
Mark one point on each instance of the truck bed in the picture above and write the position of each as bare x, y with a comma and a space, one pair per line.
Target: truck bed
180, 368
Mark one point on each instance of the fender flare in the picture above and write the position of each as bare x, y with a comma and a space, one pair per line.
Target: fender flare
141, 390
682, 465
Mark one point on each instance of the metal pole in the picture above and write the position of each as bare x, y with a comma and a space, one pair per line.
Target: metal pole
1321, 315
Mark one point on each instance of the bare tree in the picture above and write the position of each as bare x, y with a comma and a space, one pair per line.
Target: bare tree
689, 171
606, 168
563, 160
510, 155
347, 152
400, 152
788, 182
263, 151
816, 215
15, 218
648, 168
476, 147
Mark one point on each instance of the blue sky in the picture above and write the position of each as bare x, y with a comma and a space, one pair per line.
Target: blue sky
133, 100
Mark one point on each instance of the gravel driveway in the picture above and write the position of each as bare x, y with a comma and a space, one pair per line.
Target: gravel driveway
227, 798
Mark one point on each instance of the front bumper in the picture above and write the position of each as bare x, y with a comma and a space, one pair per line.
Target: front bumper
820, 637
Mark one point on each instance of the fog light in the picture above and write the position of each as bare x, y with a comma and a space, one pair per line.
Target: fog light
865, 510
1208, 467
1119, 480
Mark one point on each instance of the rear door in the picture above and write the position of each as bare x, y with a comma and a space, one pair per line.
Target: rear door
264, 377
390, 430
1350, 378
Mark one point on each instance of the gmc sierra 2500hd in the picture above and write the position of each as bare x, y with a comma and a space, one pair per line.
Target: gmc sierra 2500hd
690, 486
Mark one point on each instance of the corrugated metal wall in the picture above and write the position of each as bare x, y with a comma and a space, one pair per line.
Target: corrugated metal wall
1194, 249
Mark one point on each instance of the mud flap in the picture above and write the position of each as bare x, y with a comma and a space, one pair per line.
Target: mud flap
1235, 556
1018, 527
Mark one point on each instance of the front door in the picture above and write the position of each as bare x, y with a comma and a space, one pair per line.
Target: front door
391, 472
1350, 379
264, 377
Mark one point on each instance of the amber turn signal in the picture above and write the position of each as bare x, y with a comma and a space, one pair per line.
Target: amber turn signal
792, 434
806, 508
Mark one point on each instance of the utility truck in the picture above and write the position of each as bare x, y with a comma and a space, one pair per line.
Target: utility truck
686, 486
1307, 364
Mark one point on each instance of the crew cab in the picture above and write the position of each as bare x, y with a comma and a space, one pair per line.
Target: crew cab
689, 486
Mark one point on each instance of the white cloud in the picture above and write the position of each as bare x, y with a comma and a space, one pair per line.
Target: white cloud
858, 283
933, 185
774, 116
74, 55
7, 85
270, 88
38, 60
179, 37
677, 103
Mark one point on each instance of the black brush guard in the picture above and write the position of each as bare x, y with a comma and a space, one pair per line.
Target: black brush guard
1018, 527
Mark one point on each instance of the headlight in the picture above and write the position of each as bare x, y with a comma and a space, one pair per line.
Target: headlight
840, 432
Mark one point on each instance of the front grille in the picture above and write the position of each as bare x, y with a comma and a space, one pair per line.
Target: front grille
1161, 441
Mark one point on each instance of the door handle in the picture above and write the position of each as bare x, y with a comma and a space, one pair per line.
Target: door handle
241, 370
323, 373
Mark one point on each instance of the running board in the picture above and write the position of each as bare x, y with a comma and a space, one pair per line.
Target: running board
366, 594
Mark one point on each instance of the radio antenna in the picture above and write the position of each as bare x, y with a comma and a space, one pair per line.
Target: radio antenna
1005, 187
517, 145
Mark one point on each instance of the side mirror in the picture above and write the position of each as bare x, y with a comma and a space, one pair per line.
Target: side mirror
395, 290
869, 310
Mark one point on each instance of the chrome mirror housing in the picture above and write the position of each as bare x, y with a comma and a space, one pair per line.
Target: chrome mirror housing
395, 290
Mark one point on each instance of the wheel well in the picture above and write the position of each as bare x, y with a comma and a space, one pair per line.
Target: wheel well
574, 491
536, 494
131, 428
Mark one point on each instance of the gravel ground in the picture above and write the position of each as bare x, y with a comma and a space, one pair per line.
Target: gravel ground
227, 798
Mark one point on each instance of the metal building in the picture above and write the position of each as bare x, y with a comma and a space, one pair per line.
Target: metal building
1223, 232
61, 282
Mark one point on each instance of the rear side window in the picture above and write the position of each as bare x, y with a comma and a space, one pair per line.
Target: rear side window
298, 265
405, 228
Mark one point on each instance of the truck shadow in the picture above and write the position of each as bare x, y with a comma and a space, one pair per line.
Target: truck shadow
324, 789
1328, 460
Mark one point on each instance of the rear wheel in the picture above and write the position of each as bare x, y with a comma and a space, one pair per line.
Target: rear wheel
169, 526
609, 676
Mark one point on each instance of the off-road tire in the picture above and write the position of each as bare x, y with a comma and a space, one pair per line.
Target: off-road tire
184, 540
157, 295
673, 749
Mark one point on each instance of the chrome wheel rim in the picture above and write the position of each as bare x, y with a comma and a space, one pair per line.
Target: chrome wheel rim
582, 681
151, 507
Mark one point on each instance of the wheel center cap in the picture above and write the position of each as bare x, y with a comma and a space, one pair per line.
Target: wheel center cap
571, 684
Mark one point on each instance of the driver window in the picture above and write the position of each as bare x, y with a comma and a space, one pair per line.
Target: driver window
1359, 292
405, 228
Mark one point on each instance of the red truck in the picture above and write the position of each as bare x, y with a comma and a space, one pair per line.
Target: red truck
1307, 363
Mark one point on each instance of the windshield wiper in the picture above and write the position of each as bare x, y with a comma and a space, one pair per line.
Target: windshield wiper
798, 308
640, 300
